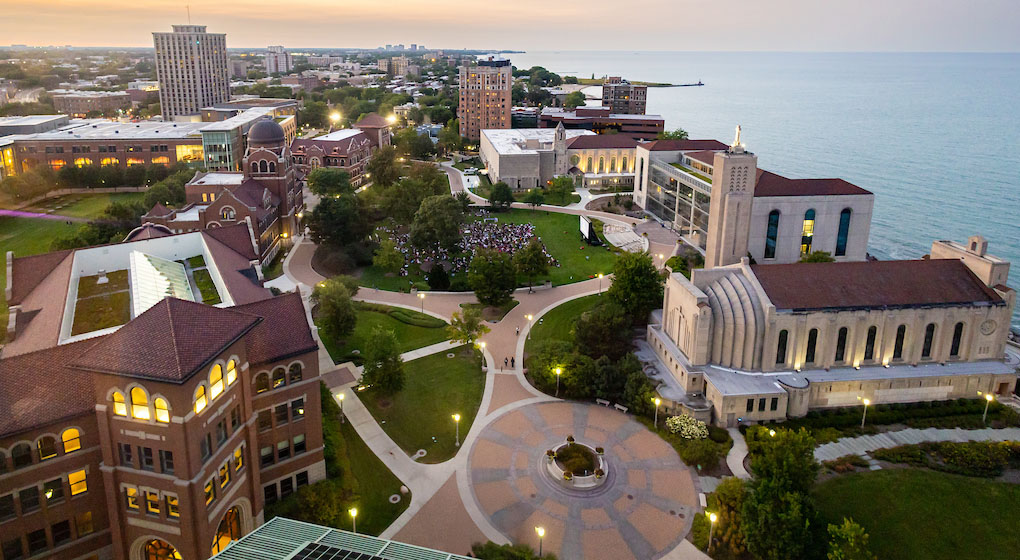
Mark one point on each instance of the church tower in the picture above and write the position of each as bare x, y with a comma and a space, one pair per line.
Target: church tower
560, 163
267, 161
733, 179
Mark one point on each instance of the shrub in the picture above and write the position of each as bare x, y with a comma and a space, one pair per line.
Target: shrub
417, 319
974, 458
718, 435
701, 452
908, 454
846, 463
687, 427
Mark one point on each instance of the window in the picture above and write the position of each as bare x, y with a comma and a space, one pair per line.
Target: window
235, 419
261, 383
267, 455
781, 346
131, 496
139, 404
173, 507
215, 381
286, 487
929, 336
200, 400
239, 458
221, 432
761, 405
228, 530
299, 444
281, 414
29, 498
231, 372
12, 549
302, 479
71, 439
3, 462
295, 373
954, 348
37, 542
162, 410
772, 235
843, 233
750, 405
210, 492
7, 507
265, 420
807, 232
54, 491
297, 409
61, 532
812, 341
225, 474
589, 168
841, 344
160, 550
126, 452
205, 447
283, 449
78, 482
83, 524
270, 493
279, 379
145, 458
119, 408
47, 448
901, 334
152, 503
166, 461
21, 454
774, 405
869, 344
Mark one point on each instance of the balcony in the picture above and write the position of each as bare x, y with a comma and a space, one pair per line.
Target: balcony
692, 172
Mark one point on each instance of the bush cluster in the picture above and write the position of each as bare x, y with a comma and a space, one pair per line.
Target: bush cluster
687, 427
846, 463
974, 458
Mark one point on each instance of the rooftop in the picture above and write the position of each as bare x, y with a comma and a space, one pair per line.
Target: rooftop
104, 130
87, 94
342, 134
604, 141
509, 141
771, 184
595, 113
31, 120
683, 145
240, 120
218, 179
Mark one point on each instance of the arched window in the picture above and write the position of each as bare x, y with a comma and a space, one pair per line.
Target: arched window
589, 168
119, 407
139, 403
263, 166
807, 232
901, 335
231, 372
21, 454
228, 530
623, 165
215, 381
954, 348
262, 382
279, 378
612, 165
869, 344
772, 234
841, 344
784, 335
314, 162
929, 336
71, 439
47, 447
844, 232
295, 373
812, 341
227, 213
602, 164
160, 550
200, 399
162, 410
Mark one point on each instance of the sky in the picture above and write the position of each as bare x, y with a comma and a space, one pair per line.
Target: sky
680, 25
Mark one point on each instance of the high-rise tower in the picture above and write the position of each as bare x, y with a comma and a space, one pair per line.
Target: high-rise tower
485, 99
191, 66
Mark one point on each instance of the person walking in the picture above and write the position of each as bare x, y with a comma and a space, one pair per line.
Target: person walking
512, 360
518, 333
505, 362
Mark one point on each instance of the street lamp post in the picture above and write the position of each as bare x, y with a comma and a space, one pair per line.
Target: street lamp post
421, 296
354, 518
456, 421
600, 284
529, 317
711, 527
988, 401
657, 402
340, 397
541, 535
334, 118
865, 415
558, 372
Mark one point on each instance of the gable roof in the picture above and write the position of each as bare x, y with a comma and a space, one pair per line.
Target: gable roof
283, 332
771, 184
159, 211
371, 120
169, 342
595, 141
682, 145
704, 156
29, 272
873, 284
236, 237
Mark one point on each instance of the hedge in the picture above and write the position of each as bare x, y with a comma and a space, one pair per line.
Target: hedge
973, 458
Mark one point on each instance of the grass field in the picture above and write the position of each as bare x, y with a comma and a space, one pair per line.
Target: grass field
558, 324
435, 388
911, 513
375, 484
84, 205
409, 337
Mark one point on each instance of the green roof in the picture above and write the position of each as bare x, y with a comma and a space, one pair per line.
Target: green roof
287, 539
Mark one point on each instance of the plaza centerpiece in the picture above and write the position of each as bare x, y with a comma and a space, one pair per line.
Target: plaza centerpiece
576, 465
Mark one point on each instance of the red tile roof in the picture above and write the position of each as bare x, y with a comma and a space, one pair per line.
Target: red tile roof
29, 272
159, 211
169, 342
371, 120
682, 145
148, 230
283, 332
236, 237
704, 156
596, 141
770, 184
873, 284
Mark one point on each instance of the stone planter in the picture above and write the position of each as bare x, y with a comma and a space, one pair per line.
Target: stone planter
586, 482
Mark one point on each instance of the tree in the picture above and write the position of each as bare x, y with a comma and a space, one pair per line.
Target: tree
437, 222
534, 197
574, 99
450, 139
422, 147
388, 257
531, 261
777, 521
336, 309
314, 113
438, 278
849, 541
603, 331
786, 457
818, 257
638, 393
339, 221
382, 166
492, 276
561, 188
324, 181
678, 134
415, 115
383, 366
493, 551
637, 285
729, 498
500, 196
465, 201
466, 326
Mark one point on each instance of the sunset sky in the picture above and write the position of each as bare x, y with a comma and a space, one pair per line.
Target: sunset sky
785, 25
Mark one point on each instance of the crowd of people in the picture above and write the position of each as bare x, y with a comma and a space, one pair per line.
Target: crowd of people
487, 233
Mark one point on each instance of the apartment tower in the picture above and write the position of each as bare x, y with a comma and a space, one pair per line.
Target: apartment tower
191, 66
278, 60
485, 96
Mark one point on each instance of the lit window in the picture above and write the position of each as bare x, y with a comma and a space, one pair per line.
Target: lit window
239, 458
261, 383
83, 522
131, 494
200, 400
47, 448
215, 381
119, 408
225, 475
78, 483
152, 503
162, 410
72, 440
173, 508
139, 403
279, 378
807, 233
231, 372
210, 492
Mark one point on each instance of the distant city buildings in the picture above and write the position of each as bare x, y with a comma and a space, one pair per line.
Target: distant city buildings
622, 97
80, 103
485, 100
602, 120
239, 68
325, 61
278, 61
191, 66
306, 82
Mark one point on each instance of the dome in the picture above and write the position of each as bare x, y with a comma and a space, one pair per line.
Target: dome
266, 132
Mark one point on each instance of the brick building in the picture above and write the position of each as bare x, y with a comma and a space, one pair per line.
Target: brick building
81, 103
602, 120
623, 97
485, 100
346, 149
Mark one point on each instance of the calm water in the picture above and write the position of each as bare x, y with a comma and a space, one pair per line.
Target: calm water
936, 137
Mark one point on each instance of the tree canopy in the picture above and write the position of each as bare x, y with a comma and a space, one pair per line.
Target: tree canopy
325, 181
335, 308
574, 99
437, 222
501, 197
492, 276
637, 285
467, 326
382, 166
678, 134
818, 257
384, 368
531, 261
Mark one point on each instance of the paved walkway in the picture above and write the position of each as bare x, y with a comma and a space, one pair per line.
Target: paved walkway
862, 445
736, 454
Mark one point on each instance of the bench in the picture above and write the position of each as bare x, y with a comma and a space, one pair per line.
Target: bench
603, 402
621, 408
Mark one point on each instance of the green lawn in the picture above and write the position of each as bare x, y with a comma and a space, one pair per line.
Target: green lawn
374, 483
84, 205
558, 323
206, 287
690, 171
409, 337
101, 312
435, 388
911, 513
